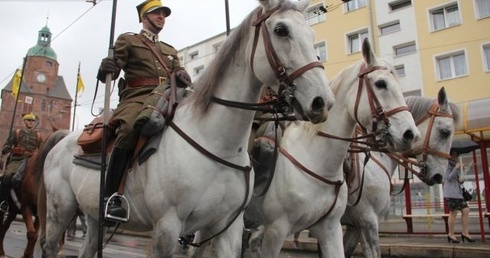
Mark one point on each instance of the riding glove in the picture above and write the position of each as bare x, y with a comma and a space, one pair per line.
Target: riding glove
107, 66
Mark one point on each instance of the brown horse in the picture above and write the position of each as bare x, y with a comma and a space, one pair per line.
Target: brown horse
27, 195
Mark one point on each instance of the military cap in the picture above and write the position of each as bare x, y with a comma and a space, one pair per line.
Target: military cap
28, 116
149, 6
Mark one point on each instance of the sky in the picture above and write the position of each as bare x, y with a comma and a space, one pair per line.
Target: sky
81, 34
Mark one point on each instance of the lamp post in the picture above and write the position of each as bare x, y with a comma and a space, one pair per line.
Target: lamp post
227, 12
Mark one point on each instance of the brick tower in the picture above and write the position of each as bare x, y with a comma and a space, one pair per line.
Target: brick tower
42, 92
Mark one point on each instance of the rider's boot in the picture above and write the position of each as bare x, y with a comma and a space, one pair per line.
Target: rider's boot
4, 193
118, 162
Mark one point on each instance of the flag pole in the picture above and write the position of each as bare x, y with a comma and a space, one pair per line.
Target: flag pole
105, 116
18, 94
76, 96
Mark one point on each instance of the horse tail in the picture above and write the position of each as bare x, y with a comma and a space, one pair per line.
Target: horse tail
52, 140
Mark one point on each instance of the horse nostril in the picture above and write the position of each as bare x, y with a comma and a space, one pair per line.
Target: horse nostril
437, 178
408, 136
318, 105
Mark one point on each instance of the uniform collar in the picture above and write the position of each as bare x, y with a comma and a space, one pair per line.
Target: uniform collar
150, 35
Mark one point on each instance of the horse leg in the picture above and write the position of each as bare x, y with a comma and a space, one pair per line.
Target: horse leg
90, 244
229, 243
4, 227
32, 227
60, 210
329, 235
351, 240
368, 231
164, 237
273, 238
198, 252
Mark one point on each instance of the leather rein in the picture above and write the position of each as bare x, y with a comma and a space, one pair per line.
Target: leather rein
404, 158
286, 91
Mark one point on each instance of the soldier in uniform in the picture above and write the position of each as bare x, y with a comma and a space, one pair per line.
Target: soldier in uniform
143, 72
21, 145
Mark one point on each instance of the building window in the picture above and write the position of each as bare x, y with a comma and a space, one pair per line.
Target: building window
400, 70
198, 70
416, 93
389, 27
405, 49
352, 5
483, 8
321, 51
355, 41
397, 5
315, 14
452, 65
194, 55
216, 47
43, 105
486, 56
48, 64
445, 17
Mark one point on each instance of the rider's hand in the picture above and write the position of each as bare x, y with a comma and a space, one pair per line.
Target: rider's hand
6, 149
107, 66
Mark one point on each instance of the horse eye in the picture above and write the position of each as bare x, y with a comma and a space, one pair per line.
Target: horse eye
381, 84
281, 30
445, 133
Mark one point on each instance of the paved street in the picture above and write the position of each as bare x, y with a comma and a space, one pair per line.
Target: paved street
121, 246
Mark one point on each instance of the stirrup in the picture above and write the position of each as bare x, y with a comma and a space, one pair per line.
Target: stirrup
4, 206
117, 219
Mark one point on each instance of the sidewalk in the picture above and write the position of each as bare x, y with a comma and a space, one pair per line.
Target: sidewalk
409, 246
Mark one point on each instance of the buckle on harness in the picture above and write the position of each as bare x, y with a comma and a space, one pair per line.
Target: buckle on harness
161, 80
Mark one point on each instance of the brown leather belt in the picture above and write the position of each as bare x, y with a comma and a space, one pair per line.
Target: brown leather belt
145, 81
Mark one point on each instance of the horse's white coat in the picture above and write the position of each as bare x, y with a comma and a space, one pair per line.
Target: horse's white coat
362, 220
179, 190
297, 201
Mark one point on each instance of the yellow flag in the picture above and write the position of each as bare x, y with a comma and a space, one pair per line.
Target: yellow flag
16, 83
80, 85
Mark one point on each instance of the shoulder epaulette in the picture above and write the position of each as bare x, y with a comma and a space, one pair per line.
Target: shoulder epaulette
166, 44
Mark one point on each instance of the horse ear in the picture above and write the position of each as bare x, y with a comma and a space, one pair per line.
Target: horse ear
268, 4
442, 100
302, 5
367, 52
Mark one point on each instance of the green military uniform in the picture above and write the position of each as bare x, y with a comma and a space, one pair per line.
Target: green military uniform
143, 72
24, 143
21, 145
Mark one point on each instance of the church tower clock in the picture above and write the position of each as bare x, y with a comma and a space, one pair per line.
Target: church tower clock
42, 92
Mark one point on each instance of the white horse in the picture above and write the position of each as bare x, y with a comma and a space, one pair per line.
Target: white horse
183, 188
307, 189
436, 120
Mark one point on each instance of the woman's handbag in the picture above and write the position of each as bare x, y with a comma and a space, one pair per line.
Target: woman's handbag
466, 195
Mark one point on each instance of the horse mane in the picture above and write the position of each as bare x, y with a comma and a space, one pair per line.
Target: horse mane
47, 145
419, 105
206, 85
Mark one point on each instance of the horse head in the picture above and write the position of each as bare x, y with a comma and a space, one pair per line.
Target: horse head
436, 120
388, 118
291, 64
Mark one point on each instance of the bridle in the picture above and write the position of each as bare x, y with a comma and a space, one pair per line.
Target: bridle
404, 159
287, 86
286, 92
374, 142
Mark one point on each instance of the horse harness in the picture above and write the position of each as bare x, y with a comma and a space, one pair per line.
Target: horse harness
286, 92
404, 159
377, 113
